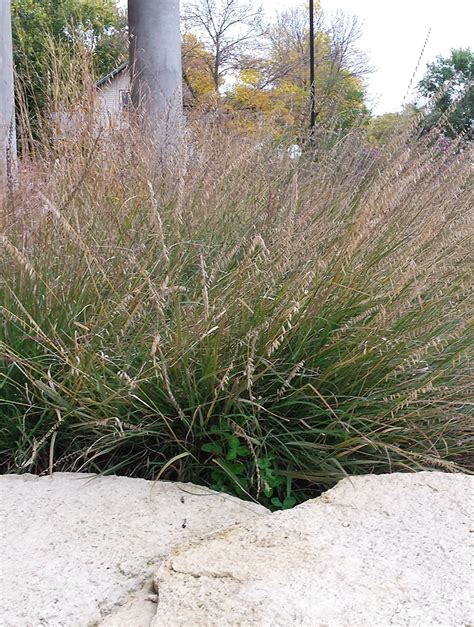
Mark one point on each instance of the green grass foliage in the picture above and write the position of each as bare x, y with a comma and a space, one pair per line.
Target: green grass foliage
230, 317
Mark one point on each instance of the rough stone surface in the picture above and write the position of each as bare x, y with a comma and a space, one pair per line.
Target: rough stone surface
374, 551
137, 611
74, 546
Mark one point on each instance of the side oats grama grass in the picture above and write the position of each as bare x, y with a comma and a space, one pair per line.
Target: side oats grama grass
235, 318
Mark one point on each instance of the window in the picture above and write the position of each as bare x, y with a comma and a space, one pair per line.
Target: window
125, 101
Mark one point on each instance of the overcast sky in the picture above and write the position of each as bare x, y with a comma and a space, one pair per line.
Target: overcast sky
394, 34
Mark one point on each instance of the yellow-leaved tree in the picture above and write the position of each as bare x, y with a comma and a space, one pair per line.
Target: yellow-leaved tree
277, 85
198, 82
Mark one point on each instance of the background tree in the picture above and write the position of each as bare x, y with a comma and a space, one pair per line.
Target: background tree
98, 24
229, 29
198, 81
279, 82
449, 81
382, 128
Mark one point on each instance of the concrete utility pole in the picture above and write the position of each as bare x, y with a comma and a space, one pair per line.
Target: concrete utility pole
7, 94
155, 62
312, 68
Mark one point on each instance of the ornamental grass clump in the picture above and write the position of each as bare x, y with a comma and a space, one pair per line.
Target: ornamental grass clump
234, 318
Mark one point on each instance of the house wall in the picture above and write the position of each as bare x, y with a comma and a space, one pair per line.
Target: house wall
108, 101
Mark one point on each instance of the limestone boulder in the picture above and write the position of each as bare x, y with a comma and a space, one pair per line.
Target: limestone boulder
74, 547
373, 551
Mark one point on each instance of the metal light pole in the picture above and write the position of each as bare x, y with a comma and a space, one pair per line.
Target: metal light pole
7, 94
155, 63
312, 69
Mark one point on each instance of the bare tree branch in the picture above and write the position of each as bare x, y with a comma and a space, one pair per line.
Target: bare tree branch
229, 28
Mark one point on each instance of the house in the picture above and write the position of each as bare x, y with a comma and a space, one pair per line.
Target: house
113, 98
112, 105
114, 101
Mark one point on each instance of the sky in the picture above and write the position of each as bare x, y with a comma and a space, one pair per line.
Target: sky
394, 32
